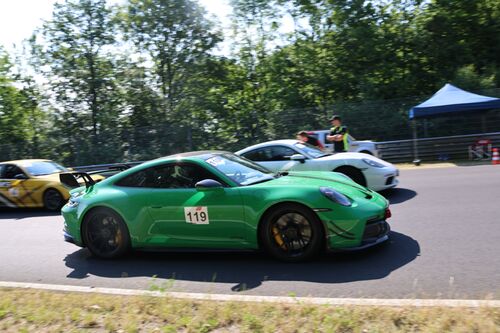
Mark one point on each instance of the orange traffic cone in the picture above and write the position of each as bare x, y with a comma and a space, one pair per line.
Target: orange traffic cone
496, 157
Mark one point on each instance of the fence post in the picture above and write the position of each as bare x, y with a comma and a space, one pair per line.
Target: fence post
415, 143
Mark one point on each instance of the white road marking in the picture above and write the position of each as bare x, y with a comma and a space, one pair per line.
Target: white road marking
260, 299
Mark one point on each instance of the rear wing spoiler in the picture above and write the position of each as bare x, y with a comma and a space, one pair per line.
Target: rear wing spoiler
70, 179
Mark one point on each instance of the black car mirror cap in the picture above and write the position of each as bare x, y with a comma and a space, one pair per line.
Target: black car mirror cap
208, 184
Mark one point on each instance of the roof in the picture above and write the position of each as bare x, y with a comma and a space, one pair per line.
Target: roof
268, 143
23, 161
198, 153
451, 100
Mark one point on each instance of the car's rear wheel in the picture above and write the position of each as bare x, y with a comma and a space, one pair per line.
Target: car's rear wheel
52, 200
291, 233
105, 234
355, 174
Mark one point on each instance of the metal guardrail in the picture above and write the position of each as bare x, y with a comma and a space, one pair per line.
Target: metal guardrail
433, 149
104, 167
429, 149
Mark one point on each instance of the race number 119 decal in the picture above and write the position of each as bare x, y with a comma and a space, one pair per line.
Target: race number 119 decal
196, 215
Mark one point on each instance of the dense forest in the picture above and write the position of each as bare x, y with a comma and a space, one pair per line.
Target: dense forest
102, 83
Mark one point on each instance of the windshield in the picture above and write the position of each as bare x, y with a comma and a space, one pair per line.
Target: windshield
310, 150
42, 168
239, 169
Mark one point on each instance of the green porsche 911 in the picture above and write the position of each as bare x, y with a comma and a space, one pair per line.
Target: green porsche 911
217, 200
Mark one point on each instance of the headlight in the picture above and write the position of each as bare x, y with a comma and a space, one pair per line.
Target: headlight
373, 163
335, 196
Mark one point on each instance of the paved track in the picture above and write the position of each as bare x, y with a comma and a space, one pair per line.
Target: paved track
445, 244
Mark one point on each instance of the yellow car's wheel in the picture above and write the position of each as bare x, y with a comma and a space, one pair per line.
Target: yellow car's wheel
53, 200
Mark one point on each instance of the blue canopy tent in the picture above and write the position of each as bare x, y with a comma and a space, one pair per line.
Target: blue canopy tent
450, 101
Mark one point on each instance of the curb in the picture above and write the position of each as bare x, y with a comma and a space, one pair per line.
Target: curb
262, 299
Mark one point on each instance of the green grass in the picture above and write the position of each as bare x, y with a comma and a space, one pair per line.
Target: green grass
43, 311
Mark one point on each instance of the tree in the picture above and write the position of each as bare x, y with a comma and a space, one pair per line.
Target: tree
20, 116
72, 46
177, 37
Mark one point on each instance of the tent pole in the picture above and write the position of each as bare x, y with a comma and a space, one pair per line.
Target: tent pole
416, 161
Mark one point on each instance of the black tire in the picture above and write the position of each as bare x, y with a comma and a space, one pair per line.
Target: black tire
355, 174
53, 200
291, 233
105, 234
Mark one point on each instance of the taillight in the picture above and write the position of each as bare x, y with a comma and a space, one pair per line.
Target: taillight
388, 213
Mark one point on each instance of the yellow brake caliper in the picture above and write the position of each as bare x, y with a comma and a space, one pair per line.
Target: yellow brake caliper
278, 238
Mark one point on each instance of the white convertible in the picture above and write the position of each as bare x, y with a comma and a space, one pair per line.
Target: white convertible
292, 155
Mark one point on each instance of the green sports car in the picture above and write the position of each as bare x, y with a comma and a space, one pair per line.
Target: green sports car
217, 200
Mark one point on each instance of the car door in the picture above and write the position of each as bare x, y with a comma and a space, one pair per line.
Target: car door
275, 158
13, 191
188, 217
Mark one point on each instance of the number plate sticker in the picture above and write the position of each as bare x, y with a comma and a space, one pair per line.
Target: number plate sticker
196, 215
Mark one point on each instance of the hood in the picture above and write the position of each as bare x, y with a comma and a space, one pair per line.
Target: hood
318, 179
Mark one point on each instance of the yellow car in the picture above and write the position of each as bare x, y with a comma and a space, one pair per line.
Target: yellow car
33, 183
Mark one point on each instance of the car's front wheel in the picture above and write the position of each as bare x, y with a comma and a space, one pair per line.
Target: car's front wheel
291, 233
105, 234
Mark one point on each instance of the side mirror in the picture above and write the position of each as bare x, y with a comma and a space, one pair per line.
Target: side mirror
208, 184
298, 157
20, 176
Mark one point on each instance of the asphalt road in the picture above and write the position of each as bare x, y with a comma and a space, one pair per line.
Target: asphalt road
445, 244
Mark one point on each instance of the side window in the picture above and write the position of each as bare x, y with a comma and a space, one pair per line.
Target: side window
281, 153
187, 175
256, 155
180, 175
11, 171
268, 154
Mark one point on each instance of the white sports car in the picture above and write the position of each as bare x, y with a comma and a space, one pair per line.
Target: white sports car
292, 155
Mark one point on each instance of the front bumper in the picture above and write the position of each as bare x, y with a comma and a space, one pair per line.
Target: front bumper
364, 228
382, 178
376, 232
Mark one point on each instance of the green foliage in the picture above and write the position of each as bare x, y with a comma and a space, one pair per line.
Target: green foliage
141, 79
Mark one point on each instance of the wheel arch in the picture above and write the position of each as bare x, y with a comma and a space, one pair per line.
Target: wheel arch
347, 167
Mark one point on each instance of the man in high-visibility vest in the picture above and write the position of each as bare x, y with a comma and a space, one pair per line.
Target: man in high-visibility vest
338, 135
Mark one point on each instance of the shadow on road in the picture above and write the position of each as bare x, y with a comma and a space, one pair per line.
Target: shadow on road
22, 213
398, 195
248, 270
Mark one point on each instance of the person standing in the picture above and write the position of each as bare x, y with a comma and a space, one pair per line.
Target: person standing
338, 135
303, 136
